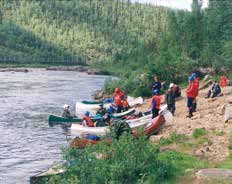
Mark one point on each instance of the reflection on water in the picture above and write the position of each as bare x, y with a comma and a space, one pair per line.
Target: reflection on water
27, 144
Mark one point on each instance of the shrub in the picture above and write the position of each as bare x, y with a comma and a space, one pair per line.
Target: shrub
127, 160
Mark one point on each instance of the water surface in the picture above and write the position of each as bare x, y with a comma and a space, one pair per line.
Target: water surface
27, 144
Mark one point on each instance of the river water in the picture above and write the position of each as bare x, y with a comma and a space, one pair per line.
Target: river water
27, 144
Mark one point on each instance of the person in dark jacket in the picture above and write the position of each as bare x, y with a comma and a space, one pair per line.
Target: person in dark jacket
66, 113
101, 111
170, 99
156, 85
215, 89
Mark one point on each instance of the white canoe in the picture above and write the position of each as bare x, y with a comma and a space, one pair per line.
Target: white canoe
79, 129
149, 116
81, 108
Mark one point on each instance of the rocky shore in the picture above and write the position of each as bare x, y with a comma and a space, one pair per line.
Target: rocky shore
90, 71
25, 70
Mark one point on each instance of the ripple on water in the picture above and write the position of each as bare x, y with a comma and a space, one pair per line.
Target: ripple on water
27, 144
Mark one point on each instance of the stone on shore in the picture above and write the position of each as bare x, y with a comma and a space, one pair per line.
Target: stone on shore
215, 173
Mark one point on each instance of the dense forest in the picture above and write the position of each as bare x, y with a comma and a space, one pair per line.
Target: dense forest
131, 40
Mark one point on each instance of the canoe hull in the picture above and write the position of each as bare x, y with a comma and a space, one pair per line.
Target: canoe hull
81, 108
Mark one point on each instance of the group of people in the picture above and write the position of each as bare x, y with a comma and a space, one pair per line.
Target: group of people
120, 102
173, 92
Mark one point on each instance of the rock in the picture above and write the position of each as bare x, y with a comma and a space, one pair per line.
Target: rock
221, 109
155, 138
206, 78
228, 113
215, 173
206, 84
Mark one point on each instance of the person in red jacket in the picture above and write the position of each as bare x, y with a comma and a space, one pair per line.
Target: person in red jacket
118, 97
87, 122
191, 92
196, 84
155, 103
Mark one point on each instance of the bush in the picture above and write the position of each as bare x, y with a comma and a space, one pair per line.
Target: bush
127, 160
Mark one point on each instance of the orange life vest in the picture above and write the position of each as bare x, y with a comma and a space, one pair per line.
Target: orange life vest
157, 98
88, 121
125, 103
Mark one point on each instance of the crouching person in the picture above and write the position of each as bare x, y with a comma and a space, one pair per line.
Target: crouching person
87, 122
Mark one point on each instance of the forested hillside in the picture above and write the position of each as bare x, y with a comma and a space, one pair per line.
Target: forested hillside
131, 40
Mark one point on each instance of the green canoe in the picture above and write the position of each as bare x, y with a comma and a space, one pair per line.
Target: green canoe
53, 119
90, 102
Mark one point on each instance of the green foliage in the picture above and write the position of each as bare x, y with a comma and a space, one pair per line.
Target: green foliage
131, 40
182, 161
198, 132
174, 138
127, 160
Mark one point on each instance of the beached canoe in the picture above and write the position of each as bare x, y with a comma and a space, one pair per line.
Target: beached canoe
79, 129
153, 127
126, 113
81, 107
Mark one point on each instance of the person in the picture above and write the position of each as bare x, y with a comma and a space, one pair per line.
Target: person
155, 103
66, 113
156, 85
170, 99
223, 81
176, 89
191, 94
215, 89
87, 122
125, 105
101, 111
118, 97
196, 84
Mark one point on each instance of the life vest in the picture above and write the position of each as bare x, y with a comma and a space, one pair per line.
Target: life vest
157, 98
223, 81
117, 100
125, 103
196, 86
88, 121
191, 91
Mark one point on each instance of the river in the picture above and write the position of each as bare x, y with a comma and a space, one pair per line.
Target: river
27, 144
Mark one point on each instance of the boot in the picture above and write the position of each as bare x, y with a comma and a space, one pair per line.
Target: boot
190, 114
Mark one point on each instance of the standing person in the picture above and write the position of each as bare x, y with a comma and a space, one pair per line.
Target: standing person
87, 122
118, 97
196, 84
156, 85
191, 94
170, 99
155, 103
176, 90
